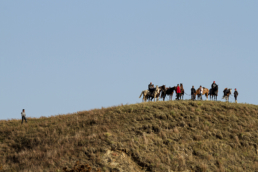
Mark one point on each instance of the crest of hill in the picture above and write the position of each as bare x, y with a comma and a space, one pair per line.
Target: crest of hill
155, 136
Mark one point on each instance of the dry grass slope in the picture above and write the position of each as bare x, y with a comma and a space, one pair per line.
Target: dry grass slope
156, 136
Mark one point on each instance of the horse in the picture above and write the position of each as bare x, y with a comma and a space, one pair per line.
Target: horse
214, 93
147, 94
168, 91
182, 92
227, 93
154, 94
204, 92
144, 94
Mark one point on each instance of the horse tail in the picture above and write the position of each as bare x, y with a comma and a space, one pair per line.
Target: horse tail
141, 94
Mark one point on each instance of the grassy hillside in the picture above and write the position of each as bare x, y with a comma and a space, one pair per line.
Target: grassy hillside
155, 136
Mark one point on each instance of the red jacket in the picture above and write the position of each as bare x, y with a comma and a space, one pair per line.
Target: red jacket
178, 90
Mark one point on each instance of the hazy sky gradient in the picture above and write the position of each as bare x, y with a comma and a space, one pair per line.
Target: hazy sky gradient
59, 57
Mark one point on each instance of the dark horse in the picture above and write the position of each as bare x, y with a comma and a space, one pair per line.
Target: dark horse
227, 93
213, 92
167, 91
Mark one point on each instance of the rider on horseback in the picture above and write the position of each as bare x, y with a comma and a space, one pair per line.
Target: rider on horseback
213, 85
151, 88
214, 89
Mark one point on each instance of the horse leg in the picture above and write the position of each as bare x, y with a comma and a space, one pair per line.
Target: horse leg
157, 98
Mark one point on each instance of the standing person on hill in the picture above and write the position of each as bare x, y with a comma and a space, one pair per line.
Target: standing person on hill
235, 95
178, 92
201, 91
23, 114
193, 91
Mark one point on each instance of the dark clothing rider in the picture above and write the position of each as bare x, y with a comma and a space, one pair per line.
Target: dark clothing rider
213, 85
151, 87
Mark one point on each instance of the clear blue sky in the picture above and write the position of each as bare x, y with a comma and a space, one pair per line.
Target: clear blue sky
59, 57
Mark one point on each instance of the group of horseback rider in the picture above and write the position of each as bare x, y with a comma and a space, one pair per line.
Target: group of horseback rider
213, 91
179, 90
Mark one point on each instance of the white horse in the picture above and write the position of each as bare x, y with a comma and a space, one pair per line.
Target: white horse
144, 93
147, 93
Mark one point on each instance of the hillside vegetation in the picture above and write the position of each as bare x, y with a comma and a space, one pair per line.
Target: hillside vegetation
155, 136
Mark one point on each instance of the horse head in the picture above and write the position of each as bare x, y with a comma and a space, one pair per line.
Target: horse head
163, 87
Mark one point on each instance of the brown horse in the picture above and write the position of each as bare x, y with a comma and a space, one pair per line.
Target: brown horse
167, 91
204, 92
227, 93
